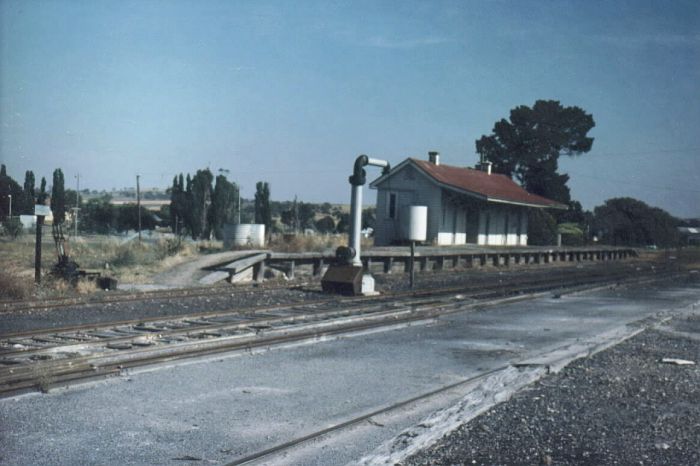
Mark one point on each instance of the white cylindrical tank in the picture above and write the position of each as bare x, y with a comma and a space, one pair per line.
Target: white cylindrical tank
417, 223
249, 234
258, 234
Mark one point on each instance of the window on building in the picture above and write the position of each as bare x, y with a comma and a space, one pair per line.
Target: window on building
392, 205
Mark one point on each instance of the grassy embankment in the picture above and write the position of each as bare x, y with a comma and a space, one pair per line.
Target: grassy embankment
128, 262
131, 262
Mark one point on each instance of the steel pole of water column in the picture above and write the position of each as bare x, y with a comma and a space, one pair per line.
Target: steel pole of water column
356, 222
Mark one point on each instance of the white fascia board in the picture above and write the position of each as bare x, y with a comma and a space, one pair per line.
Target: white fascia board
394, 171
525, 204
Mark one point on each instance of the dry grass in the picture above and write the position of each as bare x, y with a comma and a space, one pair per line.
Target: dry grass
689, 257
312, 243
13, 286
128, 262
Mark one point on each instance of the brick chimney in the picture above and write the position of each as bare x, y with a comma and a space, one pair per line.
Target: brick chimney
434, 157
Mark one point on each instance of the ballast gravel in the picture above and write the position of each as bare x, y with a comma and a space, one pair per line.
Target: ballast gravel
623, 406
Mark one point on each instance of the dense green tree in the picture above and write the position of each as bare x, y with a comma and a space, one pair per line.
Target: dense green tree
58, 197
325, 208
8, 187
178, 204
71, 199
164, 215
12, 227
187, 214
630, 222
201, 200
369, 217
127, 218
290, 216
307, 212
325, 224
263, 212
541, 228
223, 207
343, 225
98, 216
528, 145
287, 218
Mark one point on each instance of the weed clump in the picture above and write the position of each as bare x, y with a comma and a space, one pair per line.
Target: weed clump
13, 286
312, 243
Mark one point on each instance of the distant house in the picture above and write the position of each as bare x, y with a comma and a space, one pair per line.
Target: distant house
465, 205
690, 235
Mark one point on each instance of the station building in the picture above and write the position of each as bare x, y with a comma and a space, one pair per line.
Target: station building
465, 205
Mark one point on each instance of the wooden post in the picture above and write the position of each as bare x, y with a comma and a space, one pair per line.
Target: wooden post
259, 272
138, 203
412, 268
439, 263
37, 249
318, 265
388, 264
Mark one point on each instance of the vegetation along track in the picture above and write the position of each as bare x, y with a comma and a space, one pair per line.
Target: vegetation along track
39, 360
121, 297
117, 297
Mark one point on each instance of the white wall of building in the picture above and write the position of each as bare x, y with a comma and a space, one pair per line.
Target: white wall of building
410, 187
447, 223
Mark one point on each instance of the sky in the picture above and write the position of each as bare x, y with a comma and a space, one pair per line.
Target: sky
291, 92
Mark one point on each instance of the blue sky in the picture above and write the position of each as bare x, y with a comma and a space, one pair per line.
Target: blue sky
292, 91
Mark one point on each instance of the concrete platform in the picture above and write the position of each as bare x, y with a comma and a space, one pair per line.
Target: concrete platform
396, 258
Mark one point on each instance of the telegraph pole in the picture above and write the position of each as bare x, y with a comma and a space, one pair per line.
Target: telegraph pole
138, 203
77, 203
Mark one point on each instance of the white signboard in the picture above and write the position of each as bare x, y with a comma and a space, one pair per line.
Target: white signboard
42, 210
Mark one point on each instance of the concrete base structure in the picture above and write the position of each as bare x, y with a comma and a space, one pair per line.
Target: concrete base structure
396, 259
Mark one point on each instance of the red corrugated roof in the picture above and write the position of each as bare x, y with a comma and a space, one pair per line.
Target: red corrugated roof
494, 187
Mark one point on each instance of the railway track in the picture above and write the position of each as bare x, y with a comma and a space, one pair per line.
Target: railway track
40, 360
124, 297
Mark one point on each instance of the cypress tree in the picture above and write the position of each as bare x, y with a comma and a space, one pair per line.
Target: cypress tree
263, 214
41, 198
28, 193
58, 197
174, 206
223, 205
201, 200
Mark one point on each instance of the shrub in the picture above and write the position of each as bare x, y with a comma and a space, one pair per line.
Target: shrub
14, 287
12, 227
541, 228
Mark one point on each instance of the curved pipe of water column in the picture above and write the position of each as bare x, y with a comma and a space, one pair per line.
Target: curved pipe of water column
357, 179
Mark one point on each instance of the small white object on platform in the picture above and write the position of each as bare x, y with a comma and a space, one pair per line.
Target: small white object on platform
678, 362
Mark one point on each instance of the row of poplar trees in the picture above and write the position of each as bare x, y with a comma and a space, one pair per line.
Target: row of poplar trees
201, 205
26, 196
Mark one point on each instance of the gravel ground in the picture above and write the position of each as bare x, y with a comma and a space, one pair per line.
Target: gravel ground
622, 406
